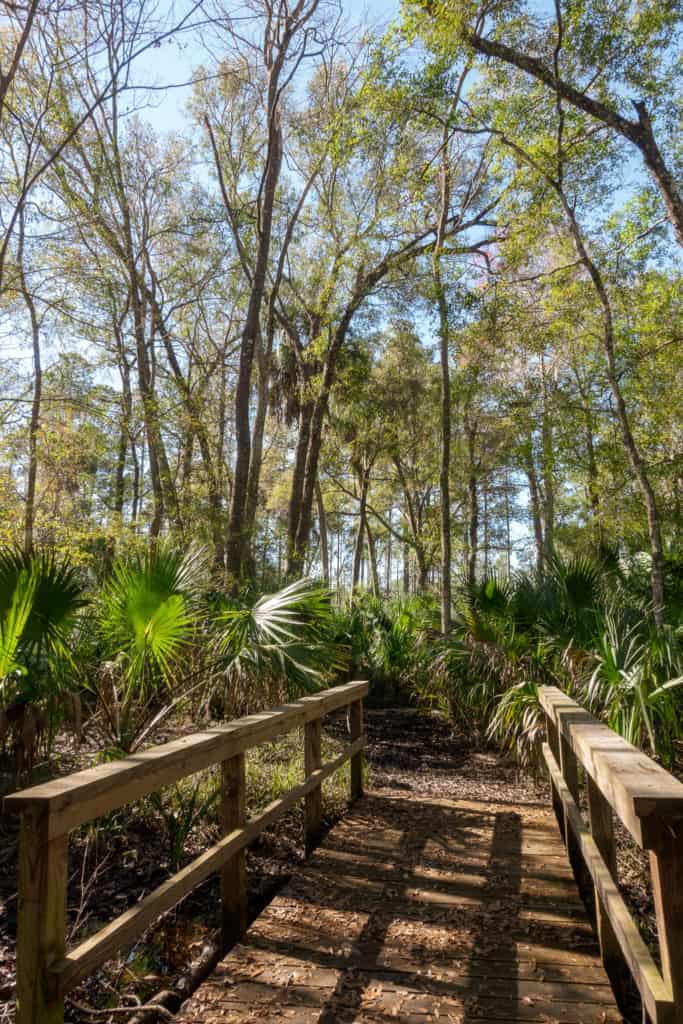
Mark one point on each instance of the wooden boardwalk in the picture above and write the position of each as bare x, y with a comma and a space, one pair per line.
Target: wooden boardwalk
420, 910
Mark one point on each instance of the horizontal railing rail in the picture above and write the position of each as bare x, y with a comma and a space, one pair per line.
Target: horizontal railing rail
623, 781
46, 970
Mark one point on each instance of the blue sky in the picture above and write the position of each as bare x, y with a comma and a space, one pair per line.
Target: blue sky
173, 64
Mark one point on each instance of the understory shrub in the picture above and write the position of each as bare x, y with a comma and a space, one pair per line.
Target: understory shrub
576, 625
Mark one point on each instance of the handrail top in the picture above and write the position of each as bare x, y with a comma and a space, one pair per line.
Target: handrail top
636, 786
73, 799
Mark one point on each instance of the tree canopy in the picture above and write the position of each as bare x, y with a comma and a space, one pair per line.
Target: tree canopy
395, 306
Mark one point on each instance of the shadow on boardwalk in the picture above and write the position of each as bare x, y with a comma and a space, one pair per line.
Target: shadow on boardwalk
417, 910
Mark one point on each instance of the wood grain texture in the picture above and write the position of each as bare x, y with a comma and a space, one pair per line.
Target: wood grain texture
41, 924
601, 822
233, 872
666, 864
86, 957
70, 801
391, 919
314, 798
655, 991
642, 793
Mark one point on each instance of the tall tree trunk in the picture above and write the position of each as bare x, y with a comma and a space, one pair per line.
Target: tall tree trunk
422, 569
593, 486
364, 285
237, 536
472, 528
486, 529
318, 411
310, 475
508, 535
124, 436
360, 532
372, 560
186, 460
534, 505
295, 557
149, 409
256, 458
472, 500
217, 499
137, 481
632, 451
406, 569
547, 442
388, 555
163, 488
322, 527
34, 423
120, 473
444, 356
196, 425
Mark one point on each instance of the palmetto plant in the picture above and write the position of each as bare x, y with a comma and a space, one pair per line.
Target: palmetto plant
518, 722
18, 602
40, 597
390, 642
570, 626
282, 641
634, 681
146, 620
495, 643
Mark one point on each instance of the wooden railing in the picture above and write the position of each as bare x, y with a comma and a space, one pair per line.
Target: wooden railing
621, 780
46, 971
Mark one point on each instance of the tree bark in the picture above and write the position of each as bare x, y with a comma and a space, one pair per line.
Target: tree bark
406, 569
294, 509
360, 531
444, 357
487, 540
547, 442
372, 559
534, 505
472, 500
237, 532
322, 527
592, 487
508, 535
36, 400
388, 557
124, 437
258, 433
472, 528
632, 450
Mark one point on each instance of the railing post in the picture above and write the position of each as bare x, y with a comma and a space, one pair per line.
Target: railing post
570, 771
233, 874
666, 865
314, 800
554, 744
602, 829
356, 715
41, 924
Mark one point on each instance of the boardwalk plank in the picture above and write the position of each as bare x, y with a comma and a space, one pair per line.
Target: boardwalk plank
420, 911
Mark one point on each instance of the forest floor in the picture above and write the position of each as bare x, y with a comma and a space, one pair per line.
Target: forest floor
131, 852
